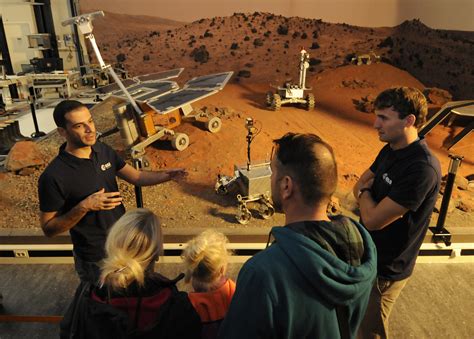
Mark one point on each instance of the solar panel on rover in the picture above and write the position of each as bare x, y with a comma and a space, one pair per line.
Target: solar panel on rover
160, 87
174, 73
113, 87
175, 100
215, 81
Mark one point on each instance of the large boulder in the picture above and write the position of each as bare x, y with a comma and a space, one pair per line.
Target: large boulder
349, 202
466, 205
437, 96
22, 155
460, 182
200, 54
452, 204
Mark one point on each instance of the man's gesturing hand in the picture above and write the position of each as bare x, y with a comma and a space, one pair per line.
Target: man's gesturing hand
176, 173
101, 201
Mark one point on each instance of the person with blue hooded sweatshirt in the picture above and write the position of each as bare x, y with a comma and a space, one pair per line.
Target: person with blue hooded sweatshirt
315, 279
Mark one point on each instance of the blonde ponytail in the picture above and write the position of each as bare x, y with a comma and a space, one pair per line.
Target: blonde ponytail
206, 258
133, 245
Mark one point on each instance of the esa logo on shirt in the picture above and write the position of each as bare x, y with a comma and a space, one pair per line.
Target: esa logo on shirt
105, 167
387, 179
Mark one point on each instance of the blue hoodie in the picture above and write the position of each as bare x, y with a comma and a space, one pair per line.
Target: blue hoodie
291, 290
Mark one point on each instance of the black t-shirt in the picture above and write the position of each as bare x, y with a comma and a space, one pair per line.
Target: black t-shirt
68, 180
411, 177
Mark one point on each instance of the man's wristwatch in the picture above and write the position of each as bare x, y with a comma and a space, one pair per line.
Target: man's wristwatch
362, 190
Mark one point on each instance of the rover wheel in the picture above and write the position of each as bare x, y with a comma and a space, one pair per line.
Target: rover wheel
266, 211
243, 216
310, 101
146, 162
180, 141
221, 190
221, 185
269, 99
214, 125
276, 102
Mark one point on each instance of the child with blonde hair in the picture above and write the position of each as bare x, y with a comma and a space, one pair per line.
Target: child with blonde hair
206, 259
133, 300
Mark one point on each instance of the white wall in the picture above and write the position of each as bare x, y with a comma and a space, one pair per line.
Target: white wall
19, 22
61, 12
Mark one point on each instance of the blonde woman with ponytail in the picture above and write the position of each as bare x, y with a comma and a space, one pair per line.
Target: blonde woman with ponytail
206, 259
133, 300
132, 248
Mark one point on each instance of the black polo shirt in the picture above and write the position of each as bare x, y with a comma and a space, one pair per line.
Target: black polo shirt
68, 180
411, 177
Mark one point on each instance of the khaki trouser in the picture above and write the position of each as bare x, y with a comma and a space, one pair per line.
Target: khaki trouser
382, 298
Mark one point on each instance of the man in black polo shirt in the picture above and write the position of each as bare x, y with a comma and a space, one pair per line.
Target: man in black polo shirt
78, 190
396, 197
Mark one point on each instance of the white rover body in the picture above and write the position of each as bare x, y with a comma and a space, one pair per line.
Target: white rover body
293, 93
252, 181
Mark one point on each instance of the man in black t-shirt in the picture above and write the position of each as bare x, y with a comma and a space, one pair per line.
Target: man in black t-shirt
396, 197
78, 190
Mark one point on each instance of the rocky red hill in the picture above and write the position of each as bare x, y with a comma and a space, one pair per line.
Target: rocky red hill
263, 47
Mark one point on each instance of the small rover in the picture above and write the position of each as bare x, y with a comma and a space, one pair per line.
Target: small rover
366, 59
252, 182
293, 93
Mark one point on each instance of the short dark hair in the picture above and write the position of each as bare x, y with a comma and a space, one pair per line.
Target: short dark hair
406, 101
63, 108
310, 162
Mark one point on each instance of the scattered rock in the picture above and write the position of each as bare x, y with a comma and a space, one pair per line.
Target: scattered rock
357, 83
221, 112
351, 177
387, 42
437, 96
23, 154
120, 57
26, 171
452, 204
349, 202
282, 30
460, 182
333, 206
200, 54
365, 104
465, 205
244, 73
258, 42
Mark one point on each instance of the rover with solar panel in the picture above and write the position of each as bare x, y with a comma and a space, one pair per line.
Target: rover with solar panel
153, 105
